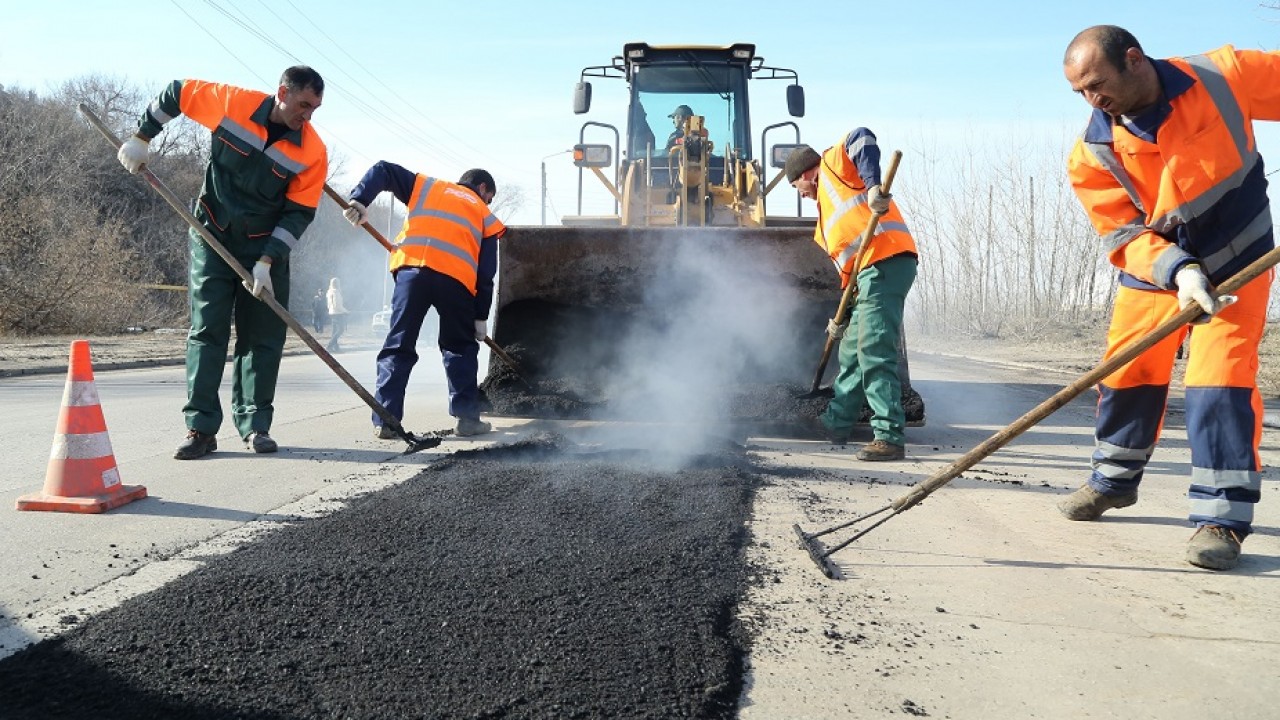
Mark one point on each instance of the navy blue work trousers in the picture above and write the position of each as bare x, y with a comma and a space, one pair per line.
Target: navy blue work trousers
417, 291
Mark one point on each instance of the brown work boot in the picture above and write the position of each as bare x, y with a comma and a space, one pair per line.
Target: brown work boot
1089, 504
197, 445
881, 450
469, 427
1214, 547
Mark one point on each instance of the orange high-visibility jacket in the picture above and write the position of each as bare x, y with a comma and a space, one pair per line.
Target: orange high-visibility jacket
443, 230
1183, 183
251, 189
843, 213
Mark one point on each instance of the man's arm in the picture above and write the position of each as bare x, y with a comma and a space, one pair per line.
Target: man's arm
1131, 246
861, 148
384, 176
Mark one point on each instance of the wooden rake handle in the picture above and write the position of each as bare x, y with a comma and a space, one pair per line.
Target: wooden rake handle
922, 489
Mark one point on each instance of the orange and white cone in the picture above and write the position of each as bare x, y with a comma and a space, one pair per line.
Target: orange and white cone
82, 475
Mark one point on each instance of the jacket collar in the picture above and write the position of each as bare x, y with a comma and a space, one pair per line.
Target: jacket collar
263, 115
1173, 83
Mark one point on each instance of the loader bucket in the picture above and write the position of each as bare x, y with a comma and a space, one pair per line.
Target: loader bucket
720, 325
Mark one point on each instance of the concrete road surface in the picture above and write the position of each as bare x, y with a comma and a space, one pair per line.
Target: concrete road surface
980, 602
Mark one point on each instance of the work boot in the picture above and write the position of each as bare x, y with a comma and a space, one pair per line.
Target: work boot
382, 432
1089, 504
881, 450
195, 446
471, 426
260, 442
1214, 547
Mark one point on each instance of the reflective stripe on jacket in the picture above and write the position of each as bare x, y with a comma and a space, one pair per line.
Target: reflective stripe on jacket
443, 230
843, 213
251, 190
1184, 182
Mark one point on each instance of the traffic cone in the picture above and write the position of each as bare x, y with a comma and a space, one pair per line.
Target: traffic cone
82, 475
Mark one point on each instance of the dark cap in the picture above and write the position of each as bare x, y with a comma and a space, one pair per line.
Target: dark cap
682, 111
800, 160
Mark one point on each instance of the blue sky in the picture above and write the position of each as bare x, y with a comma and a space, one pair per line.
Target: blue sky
440, 88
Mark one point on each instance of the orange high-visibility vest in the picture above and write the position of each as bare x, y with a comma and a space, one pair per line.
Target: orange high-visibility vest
443, 230
843, 215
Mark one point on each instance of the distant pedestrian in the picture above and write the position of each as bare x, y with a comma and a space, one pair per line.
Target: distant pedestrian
337, 314
319, 310
446, 258
1169, 173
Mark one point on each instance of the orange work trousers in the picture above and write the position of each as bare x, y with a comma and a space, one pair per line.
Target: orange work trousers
1223, 406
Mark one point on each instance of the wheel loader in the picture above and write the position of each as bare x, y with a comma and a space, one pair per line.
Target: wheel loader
690, 302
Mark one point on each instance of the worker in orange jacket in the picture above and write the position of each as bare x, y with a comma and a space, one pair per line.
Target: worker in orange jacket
1170, 176
446, 257
845, 182
266, 170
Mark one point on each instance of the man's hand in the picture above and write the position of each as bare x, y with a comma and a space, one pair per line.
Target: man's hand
356, 213
133, 154
261, 280
1193, 287
878, 200
482, 330
836, 330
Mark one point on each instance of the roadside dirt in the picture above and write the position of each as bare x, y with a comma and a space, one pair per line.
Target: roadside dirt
165, 346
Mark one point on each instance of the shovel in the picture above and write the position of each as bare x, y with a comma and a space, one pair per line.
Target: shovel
822, 556
850, 295
502, 354
415, 442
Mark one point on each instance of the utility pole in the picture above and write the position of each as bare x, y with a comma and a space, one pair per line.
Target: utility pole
544, 182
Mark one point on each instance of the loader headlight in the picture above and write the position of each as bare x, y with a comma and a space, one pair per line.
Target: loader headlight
778, 154
592, 155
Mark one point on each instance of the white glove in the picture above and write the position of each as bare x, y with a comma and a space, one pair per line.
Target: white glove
261, 280
836, 330
356, 214
878, 200
133, 153
1193, 287
482, 330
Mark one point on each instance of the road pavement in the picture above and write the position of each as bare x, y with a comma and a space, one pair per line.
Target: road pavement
981, 601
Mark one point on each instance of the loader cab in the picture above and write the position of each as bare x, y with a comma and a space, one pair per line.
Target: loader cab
711, 176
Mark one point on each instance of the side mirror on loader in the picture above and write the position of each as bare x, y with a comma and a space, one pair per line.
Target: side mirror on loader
795, 100
582, 98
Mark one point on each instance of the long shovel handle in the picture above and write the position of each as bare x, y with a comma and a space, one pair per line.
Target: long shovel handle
922, 489
502, 354
851, 290
342, 203
388, 420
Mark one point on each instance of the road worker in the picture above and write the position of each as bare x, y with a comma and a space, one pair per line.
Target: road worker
845, 182
1169, 174
446, 257
261, 186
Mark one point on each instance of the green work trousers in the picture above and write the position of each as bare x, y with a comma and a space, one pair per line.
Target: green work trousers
217, 298
869, 352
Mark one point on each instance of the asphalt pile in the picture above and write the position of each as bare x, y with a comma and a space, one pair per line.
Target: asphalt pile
544, 579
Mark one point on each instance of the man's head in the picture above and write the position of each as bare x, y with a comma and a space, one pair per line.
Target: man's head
801, 168
481, 183
1106, 66
299, 95
680, 114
